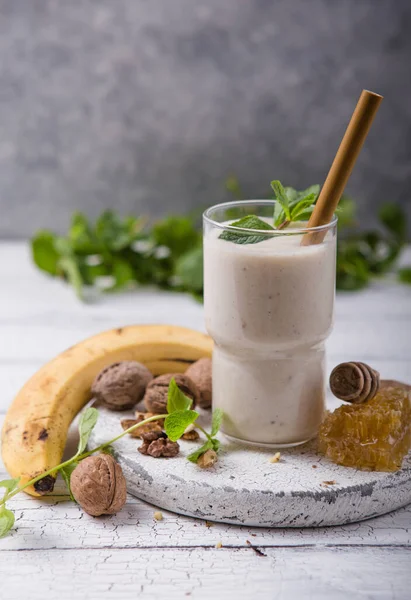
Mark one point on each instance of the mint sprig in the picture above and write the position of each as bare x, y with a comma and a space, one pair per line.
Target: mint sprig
176, 421
212, 442
242, 237
291, 205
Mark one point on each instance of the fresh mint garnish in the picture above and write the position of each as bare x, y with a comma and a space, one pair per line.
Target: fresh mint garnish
212, 442
66, 475
176, 399
177, 422
9, 484
248, 222
216, 421
86, 426
6, 521
292, 205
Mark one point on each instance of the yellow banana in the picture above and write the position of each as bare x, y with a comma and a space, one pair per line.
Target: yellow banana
36, 425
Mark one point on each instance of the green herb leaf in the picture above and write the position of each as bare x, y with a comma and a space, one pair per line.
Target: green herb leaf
9, 484
216, 421
6, 521
70, 267
216, 444
108, 450
302, 206
194, 456
86, 426
189, 269
44, 252
66, 474
178, 234
404, 275
177, 422
248, 222
345, 213
176, 399
394, 219
282, 198
233, 186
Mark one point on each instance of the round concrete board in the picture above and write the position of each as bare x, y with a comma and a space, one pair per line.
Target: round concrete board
244, 488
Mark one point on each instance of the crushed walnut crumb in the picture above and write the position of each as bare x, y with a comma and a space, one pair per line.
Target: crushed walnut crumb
275, 458
219, 545
158, 515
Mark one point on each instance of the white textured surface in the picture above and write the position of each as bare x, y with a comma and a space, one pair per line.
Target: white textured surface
244, 488
66, 554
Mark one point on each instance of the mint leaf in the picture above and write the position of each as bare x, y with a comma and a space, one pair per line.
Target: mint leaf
233, 186
404, 275
194, 456
44, 252
6, 521
301, 206
69, 265
248, 222
394, 219
108, 450
9, 484
313, 189
66, 475
176, 399
189, 269
282, 198
216, 444
177, 422
216, 421
86, 425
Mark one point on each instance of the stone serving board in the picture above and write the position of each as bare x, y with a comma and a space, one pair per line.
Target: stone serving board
244, 488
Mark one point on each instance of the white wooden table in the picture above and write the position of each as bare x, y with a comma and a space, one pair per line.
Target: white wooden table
56, 551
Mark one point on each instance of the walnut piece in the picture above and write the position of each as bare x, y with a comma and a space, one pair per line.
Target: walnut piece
141, 416
121, 385
155, 398
200, 373
190, 436
140, 431
160, 447
98, 485
208, 459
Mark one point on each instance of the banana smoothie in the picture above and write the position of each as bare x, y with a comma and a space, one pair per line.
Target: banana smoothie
269, 308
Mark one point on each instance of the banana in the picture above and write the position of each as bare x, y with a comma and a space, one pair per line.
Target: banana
36, 425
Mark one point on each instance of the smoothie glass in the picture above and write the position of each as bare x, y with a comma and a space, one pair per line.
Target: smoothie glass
269, 309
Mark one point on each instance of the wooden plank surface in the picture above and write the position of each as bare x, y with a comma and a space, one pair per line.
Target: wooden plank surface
58, 551
203, 574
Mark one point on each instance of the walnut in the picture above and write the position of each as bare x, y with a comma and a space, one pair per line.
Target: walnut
155, 397
141, 416
160, 447
121, 385
208, 459
200, 373
98, 485
190, 436
140, 431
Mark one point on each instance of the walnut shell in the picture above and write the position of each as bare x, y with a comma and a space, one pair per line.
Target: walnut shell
200, 373
121, 385
155, 397
98, 485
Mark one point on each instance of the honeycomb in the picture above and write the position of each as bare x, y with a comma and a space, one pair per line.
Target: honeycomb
374, 436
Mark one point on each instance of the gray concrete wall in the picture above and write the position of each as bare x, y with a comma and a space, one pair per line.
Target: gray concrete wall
147, 105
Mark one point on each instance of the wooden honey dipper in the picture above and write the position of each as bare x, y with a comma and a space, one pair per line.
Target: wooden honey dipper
354, 382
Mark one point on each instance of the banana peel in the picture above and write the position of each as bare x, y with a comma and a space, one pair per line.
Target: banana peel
35, 429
